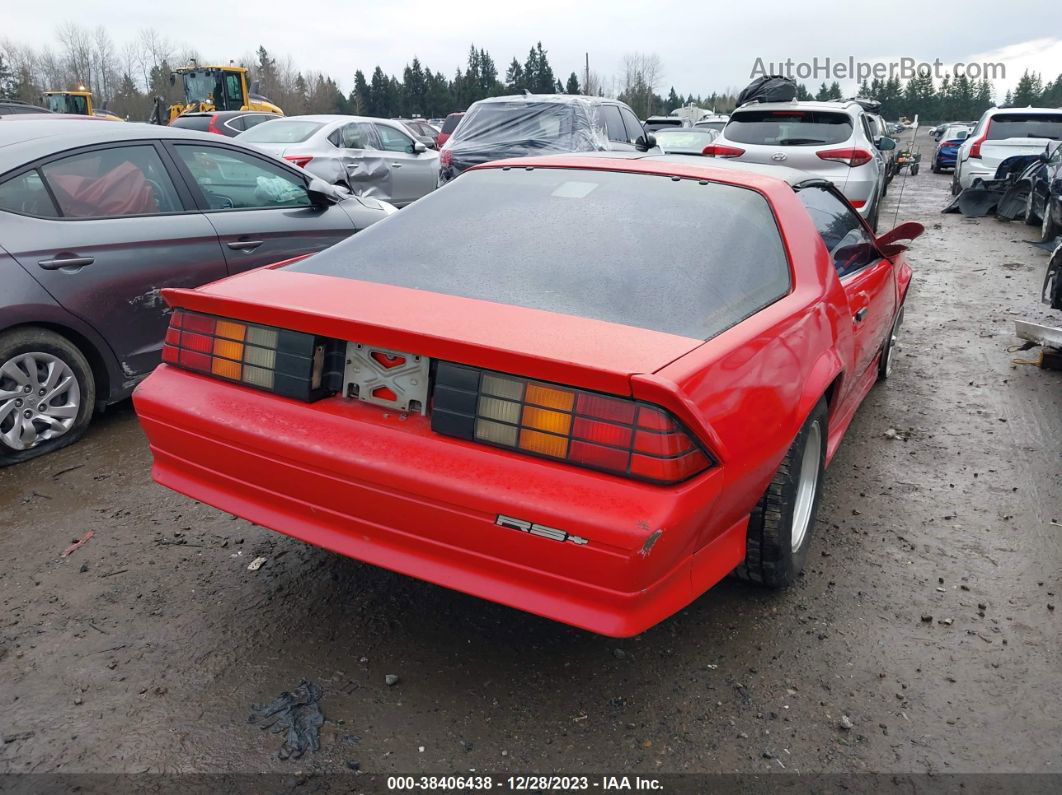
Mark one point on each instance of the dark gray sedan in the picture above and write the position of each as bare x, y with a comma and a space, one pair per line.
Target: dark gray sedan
95, 220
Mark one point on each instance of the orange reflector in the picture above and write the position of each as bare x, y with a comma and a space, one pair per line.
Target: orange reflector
226, 369
228, 348
552, 421
543, 443
549, 397
227, 328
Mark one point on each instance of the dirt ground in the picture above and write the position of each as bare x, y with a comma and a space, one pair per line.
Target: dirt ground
926, 619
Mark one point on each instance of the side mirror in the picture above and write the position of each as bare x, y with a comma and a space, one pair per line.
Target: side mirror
886, 144
645, 142
908, 230
321, 193
419, 147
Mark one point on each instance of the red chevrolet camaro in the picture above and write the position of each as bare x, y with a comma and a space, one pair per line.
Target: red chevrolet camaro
586, 387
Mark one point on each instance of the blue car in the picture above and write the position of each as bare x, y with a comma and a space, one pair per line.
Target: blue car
948, 147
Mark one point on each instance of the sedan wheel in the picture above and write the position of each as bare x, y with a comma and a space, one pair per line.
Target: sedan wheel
46, 394
885, 363
781, 524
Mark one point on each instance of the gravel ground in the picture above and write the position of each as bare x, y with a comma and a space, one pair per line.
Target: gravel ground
922, 638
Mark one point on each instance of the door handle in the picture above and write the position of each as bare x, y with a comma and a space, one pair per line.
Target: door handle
396, 165
65, 262
244, 245
858, 316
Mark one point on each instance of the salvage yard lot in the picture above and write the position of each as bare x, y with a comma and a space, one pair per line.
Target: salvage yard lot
922, 637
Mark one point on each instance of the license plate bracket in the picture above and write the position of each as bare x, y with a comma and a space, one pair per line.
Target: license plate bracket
383, 377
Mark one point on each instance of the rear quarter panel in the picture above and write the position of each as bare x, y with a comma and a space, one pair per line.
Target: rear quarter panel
747, 391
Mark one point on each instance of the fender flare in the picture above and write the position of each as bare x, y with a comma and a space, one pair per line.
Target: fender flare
820, 378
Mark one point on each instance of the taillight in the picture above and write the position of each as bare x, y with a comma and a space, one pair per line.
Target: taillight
857, 203
287, 363
446, 157
615, 435
719, 150
975, 149
299, 160
850, 157
212, 125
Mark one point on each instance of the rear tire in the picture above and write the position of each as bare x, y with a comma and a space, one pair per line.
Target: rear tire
27, 357
781, 524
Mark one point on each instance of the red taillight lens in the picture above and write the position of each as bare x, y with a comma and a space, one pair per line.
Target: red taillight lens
212, 125
446, 157
719, 150
615, 435
857, 203
850, 157
299, 160
288, 363
975, 149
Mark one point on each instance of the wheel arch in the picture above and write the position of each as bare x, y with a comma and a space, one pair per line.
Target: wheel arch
102, 375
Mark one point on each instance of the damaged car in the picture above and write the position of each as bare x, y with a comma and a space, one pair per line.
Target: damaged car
95, 220
1000, 134
373, 158
545, 422
1044, 201
499, 128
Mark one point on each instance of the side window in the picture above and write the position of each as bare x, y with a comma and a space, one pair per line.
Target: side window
232, 180
391, 140
26, 194
850, 245
254, 119
357, 135
1056, 157
120, 180
614, 123
238, 123
634, 127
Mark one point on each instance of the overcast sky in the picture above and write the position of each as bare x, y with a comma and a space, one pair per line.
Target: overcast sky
703, 47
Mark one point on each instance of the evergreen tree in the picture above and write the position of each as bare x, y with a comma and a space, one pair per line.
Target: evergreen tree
266, 74
544, 79
834, 91
803, 95
1028, 90
573, 85
378, 91
823, 92
531, 71
8, 89
359, 97
514, 78
488, 76
415, 88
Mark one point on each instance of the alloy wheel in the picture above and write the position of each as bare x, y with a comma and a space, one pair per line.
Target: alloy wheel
807, 486
39, 399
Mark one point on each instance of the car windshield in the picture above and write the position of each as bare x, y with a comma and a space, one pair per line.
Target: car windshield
281, 131
451, 122
511, 122
1025, 125
680, 256
789, 127
685, 140
199, 87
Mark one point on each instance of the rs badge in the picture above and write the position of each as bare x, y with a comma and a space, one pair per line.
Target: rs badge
552, 533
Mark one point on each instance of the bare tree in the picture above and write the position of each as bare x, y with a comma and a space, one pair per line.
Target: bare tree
642, 74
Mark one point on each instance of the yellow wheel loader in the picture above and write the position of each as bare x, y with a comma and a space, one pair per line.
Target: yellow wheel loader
208, 88
77, 102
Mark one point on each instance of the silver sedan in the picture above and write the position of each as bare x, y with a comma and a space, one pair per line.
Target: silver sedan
374, 158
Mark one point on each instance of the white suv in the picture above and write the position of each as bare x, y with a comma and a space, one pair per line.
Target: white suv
1003, 133
831, 140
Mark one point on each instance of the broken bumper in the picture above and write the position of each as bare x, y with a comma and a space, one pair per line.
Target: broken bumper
382, 488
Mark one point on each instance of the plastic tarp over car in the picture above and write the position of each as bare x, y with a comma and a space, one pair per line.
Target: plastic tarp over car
517, 126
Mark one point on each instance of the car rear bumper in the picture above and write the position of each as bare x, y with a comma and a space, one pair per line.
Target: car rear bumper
381, 488
971, 169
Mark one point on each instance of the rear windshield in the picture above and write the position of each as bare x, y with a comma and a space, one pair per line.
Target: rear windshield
712, 125
789, 127
1025, 125
192, 122
516, 122
451, 122
281, 131
685, 139
681, 257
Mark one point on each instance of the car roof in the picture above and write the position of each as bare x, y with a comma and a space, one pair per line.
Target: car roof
1026, 109
330, 118
230, 113
694, 166
560, 99
30, 139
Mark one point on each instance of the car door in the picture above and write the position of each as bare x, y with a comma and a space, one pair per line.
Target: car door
367, 166
868, 278
103, 230
261, 209
635, 130
413, 174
